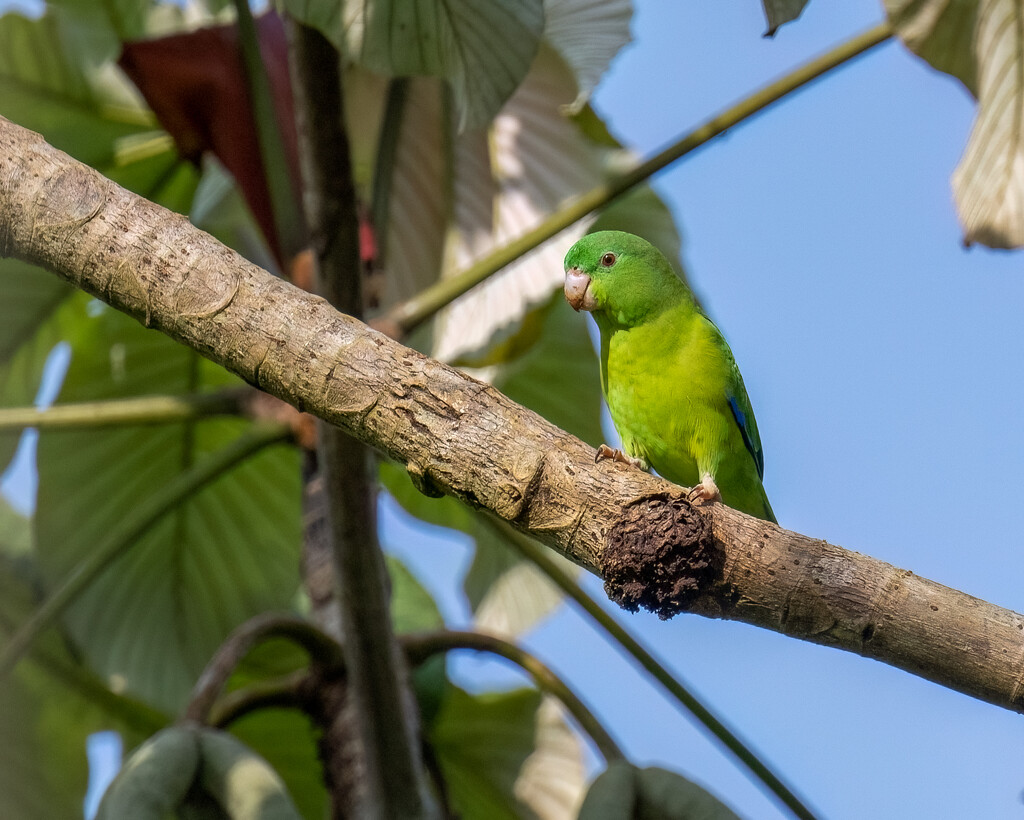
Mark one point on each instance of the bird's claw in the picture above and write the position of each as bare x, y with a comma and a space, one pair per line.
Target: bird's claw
704, 492
604, 452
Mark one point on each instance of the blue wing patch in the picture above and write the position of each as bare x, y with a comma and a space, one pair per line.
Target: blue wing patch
741, 420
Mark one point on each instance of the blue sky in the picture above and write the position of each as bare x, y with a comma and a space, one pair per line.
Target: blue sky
883, 361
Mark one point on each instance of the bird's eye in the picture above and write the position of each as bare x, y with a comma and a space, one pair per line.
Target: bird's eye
608, 260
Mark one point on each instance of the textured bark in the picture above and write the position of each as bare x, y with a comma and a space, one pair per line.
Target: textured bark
462, 437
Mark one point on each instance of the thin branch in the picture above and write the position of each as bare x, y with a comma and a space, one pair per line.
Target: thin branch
540, 558
145, 410
406, 316
382, 716
323, 651
136, 523
283, 692
421, 646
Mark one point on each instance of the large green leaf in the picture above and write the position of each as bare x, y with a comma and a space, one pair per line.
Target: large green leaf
15, 532
412, 608
50, 707
286, 739
625, 792
779, 12
29, 296
31, 786
981, 42
587, 33
494, 751
39, 777
508, 595
152, 619
483, 49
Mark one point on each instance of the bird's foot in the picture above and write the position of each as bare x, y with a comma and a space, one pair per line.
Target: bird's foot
704, 492
604, 451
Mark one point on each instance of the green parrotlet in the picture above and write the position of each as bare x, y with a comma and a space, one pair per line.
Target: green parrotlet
675, 394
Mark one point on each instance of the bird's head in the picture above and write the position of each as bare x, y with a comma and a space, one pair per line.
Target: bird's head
620, 275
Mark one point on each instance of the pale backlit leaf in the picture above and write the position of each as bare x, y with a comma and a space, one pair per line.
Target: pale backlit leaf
562, 163
411, 190
508, 595
481, 743
517, 599
981, 42
587, 33
989, 182
507, 755
551, 781
482, 49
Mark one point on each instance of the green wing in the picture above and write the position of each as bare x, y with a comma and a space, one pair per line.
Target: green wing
739, 403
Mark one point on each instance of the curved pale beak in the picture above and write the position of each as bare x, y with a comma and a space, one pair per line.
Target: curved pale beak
577, 290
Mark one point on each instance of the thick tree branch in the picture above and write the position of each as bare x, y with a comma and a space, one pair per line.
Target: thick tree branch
675, 687
463, 437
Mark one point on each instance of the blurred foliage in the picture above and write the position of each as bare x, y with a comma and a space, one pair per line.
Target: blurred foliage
452, 162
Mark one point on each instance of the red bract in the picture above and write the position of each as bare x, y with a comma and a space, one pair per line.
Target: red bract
195, 83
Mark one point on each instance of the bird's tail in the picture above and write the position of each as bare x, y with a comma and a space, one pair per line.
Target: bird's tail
769, 514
